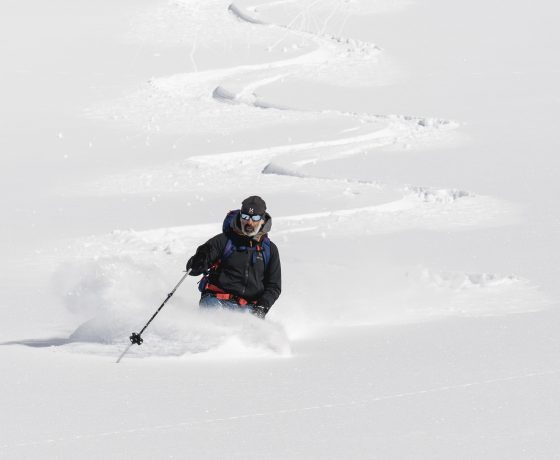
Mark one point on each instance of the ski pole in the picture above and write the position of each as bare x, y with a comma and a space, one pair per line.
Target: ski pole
136, 337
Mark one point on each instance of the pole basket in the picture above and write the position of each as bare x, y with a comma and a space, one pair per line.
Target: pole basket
135, 338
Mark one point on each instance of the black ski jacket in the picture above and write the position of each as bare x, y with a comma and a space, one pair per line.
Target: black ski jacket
238, 274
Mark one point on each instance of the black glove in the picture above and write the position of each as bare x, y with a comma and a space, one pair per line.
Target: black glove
260, 310
200, 262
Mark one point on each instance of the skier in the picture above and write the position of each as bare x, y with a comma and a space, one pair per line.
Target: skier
241, 266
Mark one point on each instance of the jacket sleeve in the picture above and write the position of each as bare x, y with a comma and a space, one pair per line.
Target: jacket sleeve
214, 247
272, 279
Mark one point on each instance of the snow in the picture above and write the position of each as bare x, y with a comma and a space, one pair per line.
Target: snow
408, 155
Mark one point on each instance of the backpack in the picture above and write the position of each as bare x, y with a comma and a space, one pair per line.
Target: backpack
263, 247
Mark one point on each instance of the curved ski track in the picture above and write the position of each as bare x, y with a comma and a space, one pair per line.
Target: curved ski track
228, 95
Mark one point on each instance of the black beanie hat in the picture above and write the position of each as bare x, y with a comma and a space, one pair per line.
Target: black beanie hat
253, 205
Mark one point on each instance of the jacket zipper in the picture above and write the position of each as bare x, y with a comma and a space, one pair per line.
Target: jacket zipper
247, 268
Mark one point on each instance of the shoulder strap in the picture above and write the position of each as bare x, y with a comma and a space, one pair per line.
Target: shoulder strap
228, 250
265, 243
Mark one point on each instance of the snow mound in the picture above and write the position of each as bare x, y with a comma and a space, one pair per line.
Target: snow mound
221, 94
242, 15
275, 168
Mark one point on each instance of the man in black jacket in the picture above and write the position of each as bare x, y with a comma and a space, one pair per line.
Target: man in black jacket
241, 266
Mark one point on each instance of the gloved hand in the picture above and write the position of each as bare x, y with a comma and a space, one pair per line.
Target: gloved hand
260, 310
200, 262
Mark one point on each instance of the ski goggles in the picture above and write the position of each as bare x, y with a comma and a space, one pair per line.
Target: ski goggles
255, 218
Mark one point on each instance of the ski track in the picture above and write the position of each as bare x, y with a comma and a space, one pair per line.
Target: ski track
184, 103
289, 411
226, 99
198, 89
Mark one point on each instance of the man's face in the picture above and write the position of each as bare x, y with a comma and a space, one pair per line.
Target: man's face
251, 224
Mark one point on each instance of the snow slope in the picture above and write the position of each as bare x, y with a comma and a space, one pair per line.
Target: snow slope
391, 143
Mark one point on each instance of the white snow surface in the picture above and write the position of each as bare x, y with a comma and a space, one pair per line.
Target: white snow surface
408, 154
